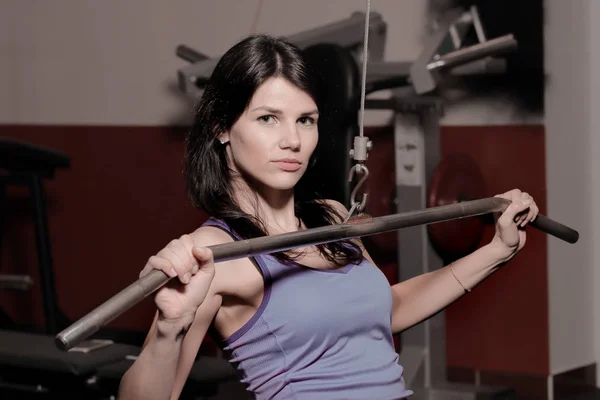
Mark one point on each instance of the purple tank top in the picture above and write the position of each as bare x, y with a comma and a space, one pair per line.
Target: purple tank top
318, 334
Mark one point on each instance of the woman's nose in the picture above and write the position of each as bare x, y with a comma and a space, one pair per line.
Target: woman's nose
290, 138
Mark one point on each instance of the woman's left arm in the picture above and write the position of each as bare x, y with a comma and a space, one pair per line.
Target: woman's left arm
423, 296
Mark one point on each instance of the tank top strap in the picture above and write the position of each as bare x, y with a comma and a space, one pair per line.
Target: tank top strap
219, 223
261, 261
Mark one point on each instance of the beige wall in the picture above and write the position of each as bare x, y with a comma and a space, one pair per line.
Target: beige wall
112, 62
569, 179
594, 165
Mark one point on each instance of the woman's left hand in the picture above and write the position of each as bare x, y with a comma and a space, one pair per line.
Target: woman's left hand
510, 234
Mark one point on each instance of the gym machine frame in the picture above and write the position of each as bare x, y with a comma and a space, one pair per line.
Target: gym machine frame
417, 153
347, 33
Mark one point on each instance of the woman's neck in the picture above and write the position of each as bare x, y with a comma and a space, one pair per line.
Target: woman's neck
274, 207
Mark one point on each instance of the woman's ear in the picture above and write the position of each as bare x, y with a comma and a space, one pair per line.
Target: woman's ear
223, 137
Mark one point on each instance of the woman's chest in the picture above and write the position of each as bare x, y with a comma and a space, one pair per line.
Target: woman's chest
307, 304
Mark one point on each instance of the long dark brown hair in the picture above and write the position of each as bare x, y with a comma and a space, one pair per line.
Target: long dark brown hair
240, 71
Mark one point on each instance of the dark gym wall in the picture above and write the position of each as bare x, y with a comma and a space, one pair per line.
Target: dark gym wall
121, 201
503, 324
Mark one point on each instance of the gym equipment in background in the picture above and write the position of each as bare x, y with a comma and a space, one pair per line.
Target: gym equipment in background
30, 362
29, 165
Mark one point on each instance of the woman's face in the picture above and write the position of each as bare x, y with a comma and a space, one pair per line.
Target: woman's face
273, 139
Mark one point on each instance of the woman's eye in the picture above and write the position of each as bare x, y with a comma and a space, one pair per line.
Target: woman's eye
306, 121
267, 119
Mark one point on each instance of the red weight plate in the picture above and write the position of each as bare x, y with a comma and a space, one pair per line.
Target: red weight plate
457, 178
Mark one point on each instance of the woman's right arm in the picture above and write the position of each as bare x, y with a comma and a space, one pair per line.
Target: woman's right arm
163, 366
186, 307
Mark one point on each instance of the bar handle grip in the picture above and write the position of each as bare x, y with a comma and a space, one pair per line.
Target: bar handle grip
541, 222
555, 229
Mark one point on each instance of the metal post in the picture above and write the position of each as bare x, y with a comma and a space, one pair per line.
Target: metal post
429, 121
42, 237
417, 153
3, 185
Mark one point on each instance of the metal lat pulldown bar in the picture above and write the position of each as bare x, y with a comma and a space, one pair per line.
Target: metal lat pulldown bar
153, 281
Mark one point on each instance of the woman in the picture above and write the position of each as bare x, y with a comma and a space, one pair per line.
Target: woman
315, 323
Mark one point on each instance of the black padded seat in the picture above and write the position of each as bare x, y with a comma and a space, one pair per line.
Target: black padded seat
31, 363
37, 351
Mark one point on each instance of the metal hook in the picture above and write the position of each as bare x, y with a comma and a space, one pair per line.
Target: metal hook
359, 168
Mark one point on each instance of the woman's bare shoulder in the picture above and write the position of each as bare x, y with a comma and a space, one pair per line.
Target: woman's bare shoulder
229, 274
208, 235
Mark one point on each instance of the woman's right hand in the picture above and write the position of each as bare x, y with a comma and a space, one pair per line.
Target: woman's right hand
192, 269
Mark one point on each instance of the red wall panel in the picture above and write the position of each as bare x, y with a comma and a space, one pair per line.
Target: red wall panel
121, 201
502, 325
